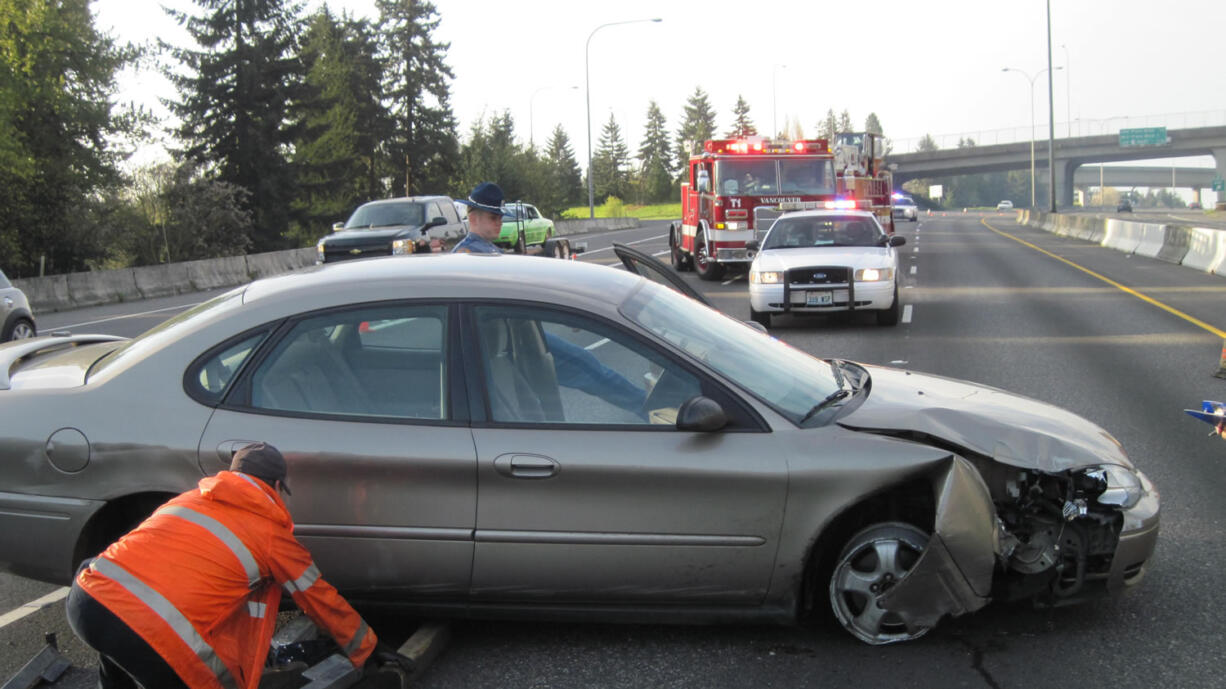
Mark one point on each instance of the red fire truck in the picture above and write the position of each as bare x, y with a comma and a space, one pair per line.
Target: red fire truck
737, 187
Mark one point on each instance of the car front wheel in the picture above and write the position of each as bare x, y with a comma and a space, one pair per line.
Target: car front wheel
872, 563
21, 329
761, 317
704, 264
890, 315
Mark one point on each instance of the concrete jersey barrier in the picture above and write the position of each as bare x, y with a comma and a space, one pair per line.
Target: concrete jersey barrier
1175, 243
74, 290
1206, 250
1152, 238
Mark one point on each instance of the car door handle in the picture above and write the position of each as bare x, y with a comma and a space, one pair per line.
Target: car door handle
526, 466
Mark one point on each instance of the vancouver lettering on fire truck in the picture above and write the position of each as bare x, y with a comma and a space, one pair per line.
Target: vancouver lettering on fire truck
737, 187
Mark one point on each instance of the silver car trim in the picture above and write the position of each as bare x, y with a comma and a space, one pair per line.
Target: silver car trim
9, 355
577, 538
171, 615
418, 533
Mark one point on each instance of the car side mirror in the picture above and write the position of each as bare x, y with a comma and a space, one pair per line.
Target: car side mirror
702, 414
338, 226
896, 240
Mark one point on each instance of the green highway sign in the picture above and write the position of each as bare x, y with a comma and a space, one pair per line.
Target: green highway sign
1148, 136
1219, 184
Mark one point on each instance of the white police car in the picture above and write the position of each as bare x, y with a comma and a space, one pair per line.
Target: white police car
825, 261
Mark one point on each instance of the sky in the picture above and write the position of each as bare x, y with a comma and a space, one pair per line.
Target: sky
923, 68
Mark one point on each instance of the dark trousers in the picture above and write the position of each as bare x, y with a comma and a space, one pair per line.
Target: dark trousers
125, 661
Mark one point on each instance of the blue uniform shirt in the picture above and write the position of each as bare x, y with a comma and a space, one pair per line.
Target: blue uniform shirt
475, 244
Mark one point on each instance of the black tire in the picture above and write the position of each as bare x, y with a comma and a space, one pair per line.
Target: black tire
882, 554
890, 315
677, 256
706, 268
19, 329
763, 318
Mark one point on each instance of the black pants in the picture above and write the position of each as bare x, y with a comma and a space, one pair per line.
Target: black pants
125, 661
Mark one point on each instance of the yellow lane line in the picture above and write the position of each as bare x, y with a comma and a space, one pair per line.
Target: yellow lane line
1123, 288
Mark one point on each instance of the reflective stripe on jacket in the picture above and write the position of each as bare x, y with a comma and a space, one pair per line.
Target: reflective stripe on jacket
200, 581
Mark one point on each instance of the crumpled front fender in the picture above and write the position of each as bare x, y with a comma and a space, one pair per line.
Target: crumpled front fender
954, 573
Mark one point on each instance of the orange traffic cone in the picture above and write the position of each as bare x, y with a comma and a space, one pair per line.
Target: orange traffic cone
1221, 367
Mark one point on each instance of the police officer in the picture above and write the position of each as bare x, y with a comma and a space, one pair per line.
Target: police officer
484, 220
189, 598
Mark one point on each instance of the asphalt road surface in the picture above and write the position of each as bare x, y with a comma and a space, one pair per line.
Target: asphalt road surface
1127, 342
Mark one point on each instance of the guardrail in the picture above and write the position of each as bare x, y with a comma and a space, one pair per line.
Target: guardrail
1199, 248
78, 290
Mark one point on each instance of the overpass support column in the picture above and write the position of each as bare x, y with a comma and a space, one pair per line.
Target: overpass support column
1219, 159
1064, 184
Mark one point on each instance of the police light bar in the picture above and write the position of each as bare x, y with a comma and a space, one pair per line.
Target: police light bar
759, 144
841, 204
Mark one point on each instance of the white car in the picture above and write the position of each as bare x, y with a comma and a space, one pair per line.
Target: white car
1005, 205
904, 207
814, 262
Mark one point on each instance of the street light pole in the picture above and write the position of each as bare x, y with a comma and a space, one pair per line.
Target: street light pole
531, 129
1051, 121
1068, 90
1031, 80
774, 105
587, 87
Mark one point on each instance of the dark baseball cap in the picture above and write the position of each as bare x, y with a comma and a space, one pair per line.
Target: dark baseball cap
262, 461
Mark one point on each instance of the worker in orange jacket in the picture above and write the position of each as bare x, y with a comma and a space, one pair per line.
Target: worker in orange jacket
189, 598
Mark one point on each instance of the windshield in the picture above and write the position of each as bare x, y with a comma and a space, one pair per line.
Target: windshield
770, 177
785, 378
826, 230
386, 215
904, 202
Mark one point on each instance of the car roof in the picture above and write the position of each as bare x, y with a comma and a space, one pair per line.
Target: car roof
481, 276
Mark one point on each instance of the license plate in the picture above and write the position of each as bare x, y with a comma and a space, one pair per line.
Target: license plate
818, 299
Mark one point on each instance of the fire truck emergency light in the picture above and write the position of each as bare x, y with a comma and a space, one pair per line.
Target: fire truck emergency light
841, 204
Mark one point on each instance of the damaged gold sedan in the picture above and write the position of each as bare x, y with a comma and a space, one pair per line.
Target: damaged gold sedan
508, 436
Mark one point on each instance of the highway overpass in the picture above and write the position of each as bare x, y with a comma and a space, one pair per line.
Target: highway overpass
1070, 155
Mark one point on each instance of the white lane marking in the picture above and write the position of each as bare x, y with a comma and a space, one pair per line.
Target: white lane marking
130, 315
662, 253
913, 270
640, 241
602, 341
906, 313
729, 281
32, 607
915, 250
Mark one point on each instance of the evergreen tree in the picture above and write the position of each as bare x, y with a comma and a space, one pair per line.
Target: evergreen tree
563, 181
656, 170
235, 94
338, 153
926, 144
742, 126
58, 131
697, 126
610, 164
845, 124
872, 124
828, 127
424, 145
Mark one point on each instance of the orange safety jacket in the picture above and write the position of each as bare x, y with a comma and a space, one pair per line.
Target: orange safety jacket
200, 581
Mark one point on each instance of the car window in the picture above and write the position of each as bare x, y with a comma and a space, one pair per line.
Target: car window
786, 378
449, 212
211, 376
808, 231
532, 212
543, 366
383, 361
4, 281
